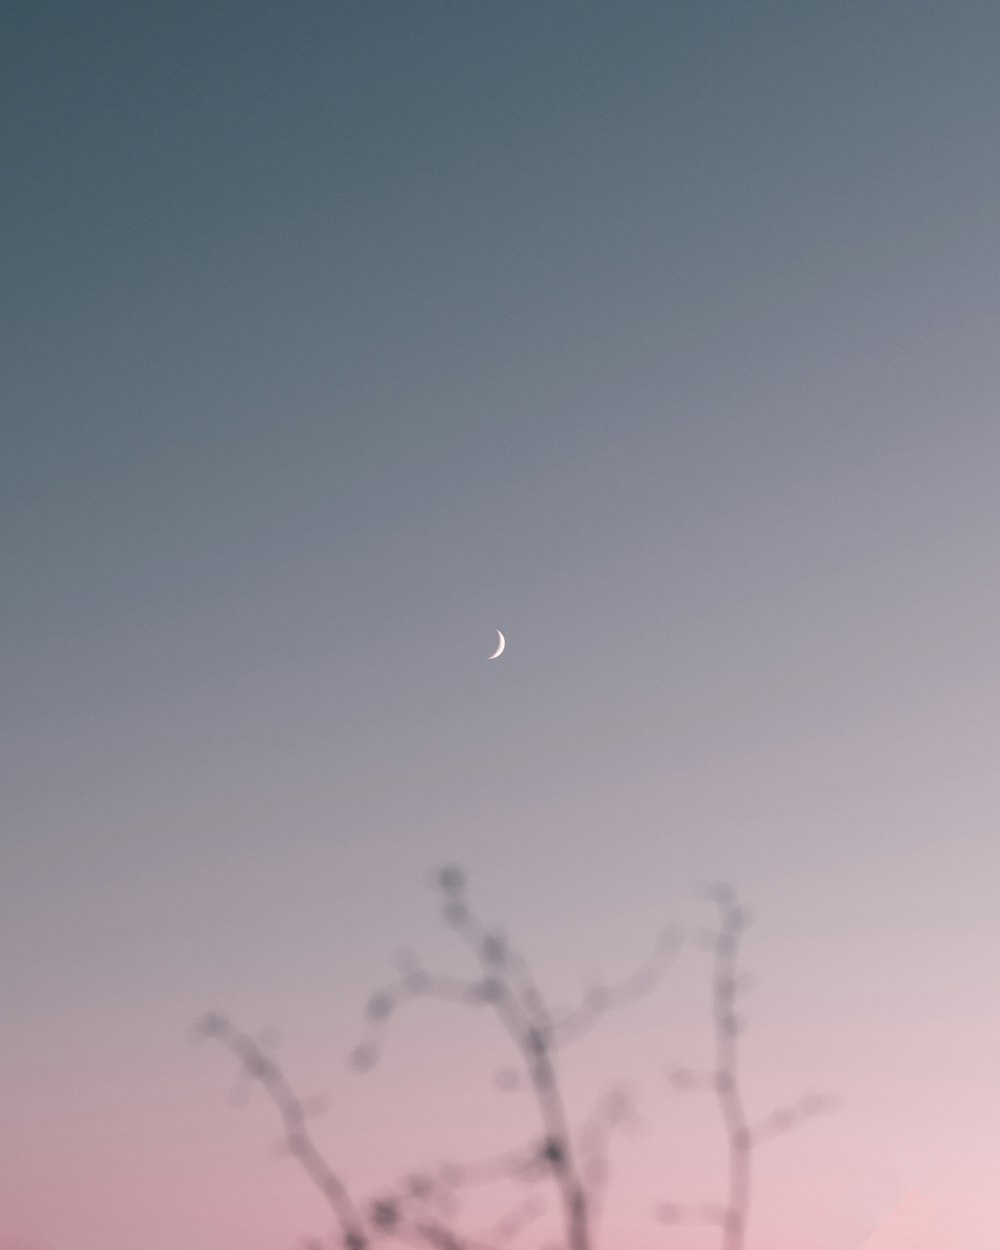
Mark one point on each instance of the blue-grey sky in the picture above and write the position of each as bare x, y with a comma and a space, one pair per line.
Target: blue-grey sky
661, 336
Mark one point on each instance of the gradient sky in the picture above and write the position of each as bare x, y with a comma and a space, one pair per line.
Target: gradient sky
662, 336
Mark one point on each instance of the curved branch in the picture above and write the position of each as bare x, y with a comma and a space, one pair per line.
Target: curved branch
604, 998
262, 1069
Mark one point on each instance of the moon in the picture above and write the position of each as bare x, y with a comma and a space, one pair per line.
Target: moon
501, 643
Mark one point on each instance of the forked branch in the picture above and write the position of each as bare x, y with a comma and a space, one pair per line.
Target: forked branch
729, 984
507, 986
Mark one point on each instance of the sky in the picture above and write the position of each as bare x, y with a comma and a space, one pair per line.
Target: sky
338, 336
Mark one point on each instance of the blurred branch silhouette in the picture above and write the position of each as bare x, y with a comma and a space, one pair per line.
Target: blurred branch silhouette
730, 983
571, 1164
507, 985
294, 1111
417, 1213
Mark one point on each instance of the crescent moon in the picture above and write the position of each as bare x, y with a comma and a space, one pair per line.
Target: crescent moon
501, 643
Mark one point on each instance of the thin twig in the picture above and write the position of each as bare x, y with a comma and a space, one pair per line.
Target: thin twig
262, 1069
509, 988
729, 982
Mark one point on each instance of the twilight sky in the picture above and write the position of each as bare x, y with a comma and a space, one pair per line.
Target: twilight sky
661, 336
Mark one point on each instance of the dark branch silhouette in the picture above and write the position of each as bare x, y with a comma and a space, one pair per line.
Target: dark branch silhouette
729, 984
422, 1210
508, 987
259, 1067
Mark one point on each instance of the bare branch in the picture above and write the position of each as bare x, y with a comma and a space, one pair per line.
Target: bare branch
786, 1118
601, 999
260, 1068
423, 1209
509, 988
417, 983
729, 983
614, 1113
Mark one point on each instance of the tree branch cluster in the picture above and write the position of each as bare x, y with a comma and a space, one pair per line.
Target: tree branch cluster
424, 1209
